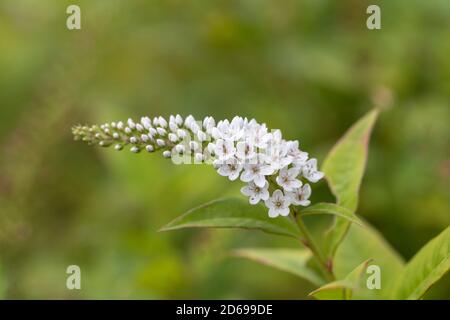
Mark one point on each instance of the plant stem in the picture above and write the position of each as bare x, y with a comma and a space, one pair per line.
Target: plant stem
307, 239
309, 242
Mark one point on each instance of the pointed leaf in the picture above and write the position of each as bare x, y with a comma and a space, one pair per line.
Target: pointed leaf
333, 209
367, 243
234, 213
425, 268
344, 288
290, 260
344, 168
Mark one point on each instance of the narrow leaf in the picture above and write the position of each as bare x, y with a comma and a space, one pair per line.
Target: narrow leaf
344, 288
234, 213
425, 268
333, 209
365, 243
290, 260
344, 168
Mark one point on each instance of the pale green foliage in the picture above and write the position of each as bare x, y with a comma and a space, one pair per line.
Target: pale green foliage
294, 261
348, 250
234, 213
425, 268
332, 209
339, 264
344, 169
343, 289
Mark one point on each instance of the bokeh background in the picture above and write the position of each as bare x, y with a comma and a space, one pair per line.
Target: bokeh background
310, 67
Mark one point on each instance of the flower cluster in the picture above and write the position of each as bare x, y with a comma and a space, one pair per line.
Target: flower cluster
272, 167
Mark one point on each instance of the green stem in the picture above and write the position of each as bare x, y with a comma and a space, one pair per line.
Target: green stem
309, 242
307, 239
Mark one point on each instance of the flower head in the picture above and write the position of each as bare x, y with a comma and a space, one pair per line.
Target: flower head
239, 148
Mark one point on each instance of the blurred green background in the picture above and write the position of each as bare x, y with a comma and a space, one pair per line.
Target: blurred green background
309, 67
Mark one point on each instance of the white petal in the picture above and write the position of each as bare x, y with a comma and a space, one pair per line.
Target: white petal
247, 176
246, 191
260, 181
234, 175
284, 212
273, 213
264, 195
254, 200
304, 203
223, 170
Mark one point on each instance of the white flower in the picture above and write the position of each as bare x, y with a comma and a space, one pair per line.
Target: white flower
277, 156
310, 171
258, 135
278, 204
256, 172
299, 157
224, 149
245, 150
256, 193
162, 122
287, 179
201, 136
173, 137
231, 169
300, 196
209, 124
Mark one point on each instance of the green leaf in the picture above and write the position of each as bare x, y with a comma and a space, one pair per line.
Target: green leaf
234, 213
333, 209
344, 288
289, 260
425, 268
362, 244
344, 168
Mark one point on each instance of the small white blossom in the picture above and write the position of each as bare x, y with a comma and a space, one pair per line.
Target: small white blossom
300, 196
133, 140
131, 124
139, 127
199, 157
231, 168
310, 171
152, 132
245, 150
255, 192
161, 131
162, 122
278, 204
256, 172
180, 148
144, 138
224, 149
173, 137
287, 178
178, 120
